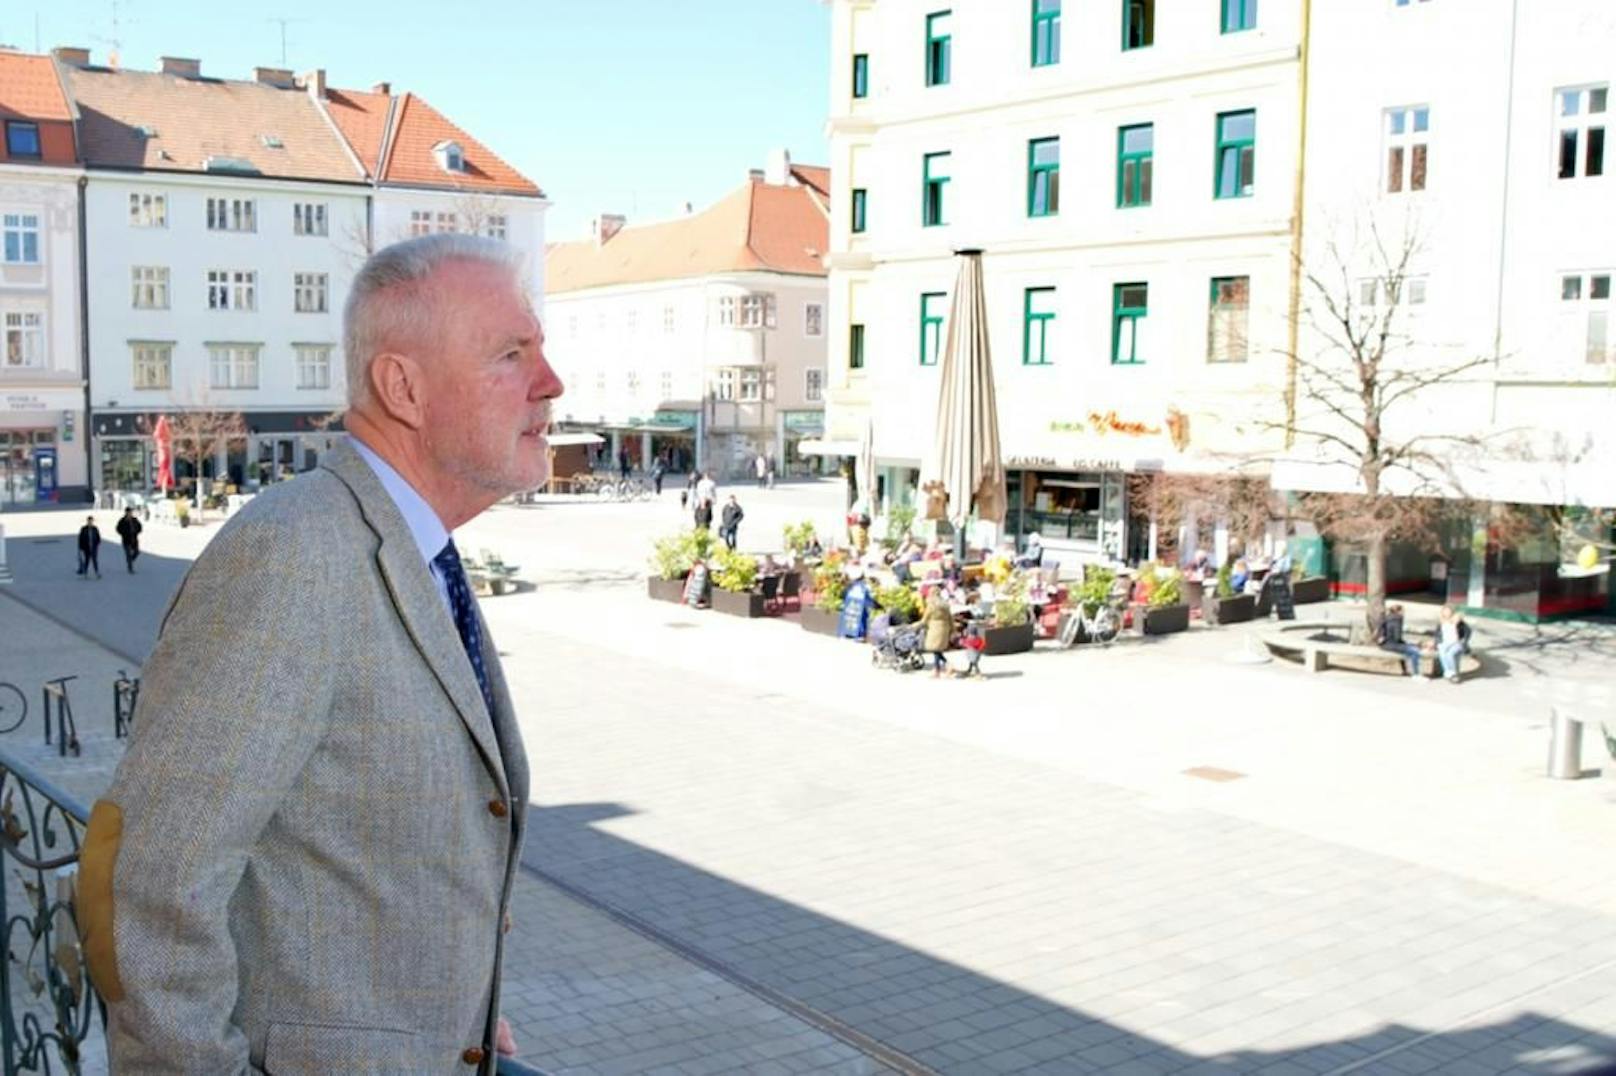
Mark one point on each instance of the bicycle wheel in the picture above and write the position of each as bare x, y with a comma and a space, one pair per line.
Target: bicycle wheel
13, 707
1068, 629
1105, 626
606, 491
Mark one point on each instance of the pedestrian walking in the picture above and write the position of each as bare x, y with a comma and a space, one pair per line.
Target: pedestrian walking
657, 471
707, 490
704, 514
623, 463
89, 547
974, 642
129, 534
769, 473
730, 522
689, 490
761, 466
939, 622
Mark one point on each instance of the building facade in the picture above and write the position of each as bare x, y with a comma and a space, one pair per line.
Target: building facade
702, 340
1476, 139
42, 407
1128, 171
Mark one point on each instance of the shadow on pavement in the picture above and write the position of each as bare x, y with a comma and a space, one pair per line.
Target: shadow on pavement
916, 1012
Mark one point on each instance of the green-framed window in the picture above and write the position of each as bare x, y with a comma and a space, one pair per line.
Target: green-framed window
933, 185
860, 200
861, 74
1236, 160
1046, 29
1038, 327
1228, 318
1135, 148
1043, 177
1239, 15
1129, 305
855, 347
939, 48
931, 326
1138, 24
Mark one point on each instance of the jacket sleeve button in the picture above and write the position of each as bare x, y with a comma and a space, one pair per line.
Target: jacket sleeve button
474, 1055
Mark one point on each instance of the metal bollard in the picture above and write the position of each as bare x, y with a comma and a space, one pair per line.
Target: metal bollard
1565, 746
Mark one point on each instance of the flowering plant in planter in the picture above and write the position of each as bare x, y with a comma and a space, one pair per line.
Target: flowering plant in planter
830, 585
1010, 607
734, 572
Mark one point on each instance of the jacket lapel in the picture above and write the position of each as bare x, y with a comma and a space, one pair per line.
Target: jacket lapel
420, 606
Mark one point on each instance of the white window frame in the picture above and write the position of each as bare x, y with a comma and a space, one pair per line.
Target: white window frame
447, 223
149, 287
151, 365
631, 378
497, 226
727, 317
756, 310
232, 214
24, 245
311, 293
1579, 124
1595, 314
1374, 291
1401, 130
310, 218
420, 222
313, 362
24, 340
813, 320
239, 363
749, 388
631, 321
665, 384
813, 385
147, 210
724, 388
1228, 337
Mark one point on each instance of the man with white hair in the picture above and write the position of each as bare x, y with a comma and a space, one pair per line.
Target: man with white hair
305, 860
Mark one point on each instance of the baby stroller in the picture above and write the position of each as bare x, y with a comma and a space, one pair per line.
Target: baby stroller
895, 647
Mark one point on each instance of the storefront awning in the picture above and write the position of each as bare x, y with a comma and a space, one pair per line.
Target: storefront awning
818, 446
560, 440
1549, 482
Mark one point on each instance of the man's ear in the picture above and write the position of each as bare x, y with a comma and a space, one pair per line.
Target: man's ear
396, 384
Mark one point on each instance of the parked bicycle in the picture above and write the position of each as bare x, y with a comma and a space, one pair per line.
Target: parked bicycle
1102, 626
13, 707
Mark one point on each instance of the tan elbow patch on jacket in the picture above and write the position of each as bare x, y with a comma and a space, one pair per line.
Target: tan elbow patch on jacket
97, 859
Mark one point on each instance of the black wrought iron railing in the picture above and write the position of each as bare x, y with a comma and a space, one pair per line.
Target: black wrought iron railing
48, 1007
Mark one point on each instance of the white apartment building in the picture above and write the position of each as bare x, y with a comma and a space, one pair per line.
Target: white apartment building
42, 427
701, 340
1479, 129
1128, 170
225, 222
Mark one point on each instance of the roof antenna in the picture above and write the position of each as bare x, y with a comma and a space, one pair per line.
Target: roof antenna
283, 23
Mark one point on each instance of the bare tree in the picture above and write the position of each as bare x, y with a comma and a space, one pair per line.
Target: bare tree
200, 429
1244, 504
1358, 381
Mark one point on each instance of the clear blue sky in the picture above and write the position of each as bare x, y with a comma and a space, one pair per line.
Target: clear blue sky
631, 106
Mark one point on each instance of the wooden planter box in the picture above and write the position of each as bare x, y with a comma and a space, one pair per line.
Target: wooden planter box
747, 603
818, 621
665, 590
1016, 639
1162, 621
1315, 588
1235, 610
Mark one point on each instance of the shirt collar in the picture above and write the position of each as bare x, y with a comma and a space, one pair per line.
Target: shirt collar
425, 527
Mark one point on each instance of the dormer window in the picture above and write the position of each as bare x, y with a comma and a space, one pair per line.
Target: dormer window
449, 155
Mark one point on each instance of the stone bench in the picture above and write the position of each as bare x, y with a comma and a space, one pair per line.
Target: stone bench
1316, 654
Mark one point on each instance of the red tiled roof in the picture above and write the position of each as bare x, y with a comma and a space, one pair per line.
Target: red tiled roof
416, 128
362, 119
29, 88
812, 176
758, 227
198, 118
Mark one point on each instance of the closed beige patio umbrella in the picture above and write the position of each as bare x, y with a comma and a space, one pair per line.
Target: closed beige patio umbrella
965, 454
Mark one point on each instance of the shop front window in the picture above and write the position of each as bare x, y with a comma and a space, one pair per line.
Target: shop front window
1060, 507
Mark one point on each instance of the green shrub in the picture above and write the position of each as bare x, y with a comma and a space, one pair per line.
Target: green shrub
1010, 605
1095, 590
900, 601
830, 585
733, 571
799, 536
1168, 588
673, 556
899, 520
1225, 588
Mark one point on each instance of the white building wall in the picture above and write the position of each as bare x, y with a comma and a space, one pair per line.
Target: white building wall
393, 220
49, 396
996, 103
188, 249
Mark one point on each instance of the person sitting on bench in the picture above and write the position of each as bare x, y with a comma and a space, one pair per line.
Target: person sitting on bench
1390, 637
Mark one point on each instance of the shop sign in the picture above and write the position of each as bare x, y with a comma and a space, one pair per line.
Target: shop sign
1049, 463
1105, 423
25, 401
804, 421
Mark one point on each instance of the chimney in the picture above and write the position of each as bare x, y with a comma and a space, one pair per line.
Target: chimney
383, 88
177, 65
754, 175
777, 169
315, 82
73, 56
606, 226
278, 77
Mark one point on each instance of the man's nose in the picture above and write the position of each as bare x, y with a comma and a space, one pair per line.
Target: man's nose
546, 384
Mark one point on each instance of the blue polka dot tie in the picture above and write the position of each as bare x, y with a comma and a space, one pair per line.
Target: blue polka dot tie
465, 615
